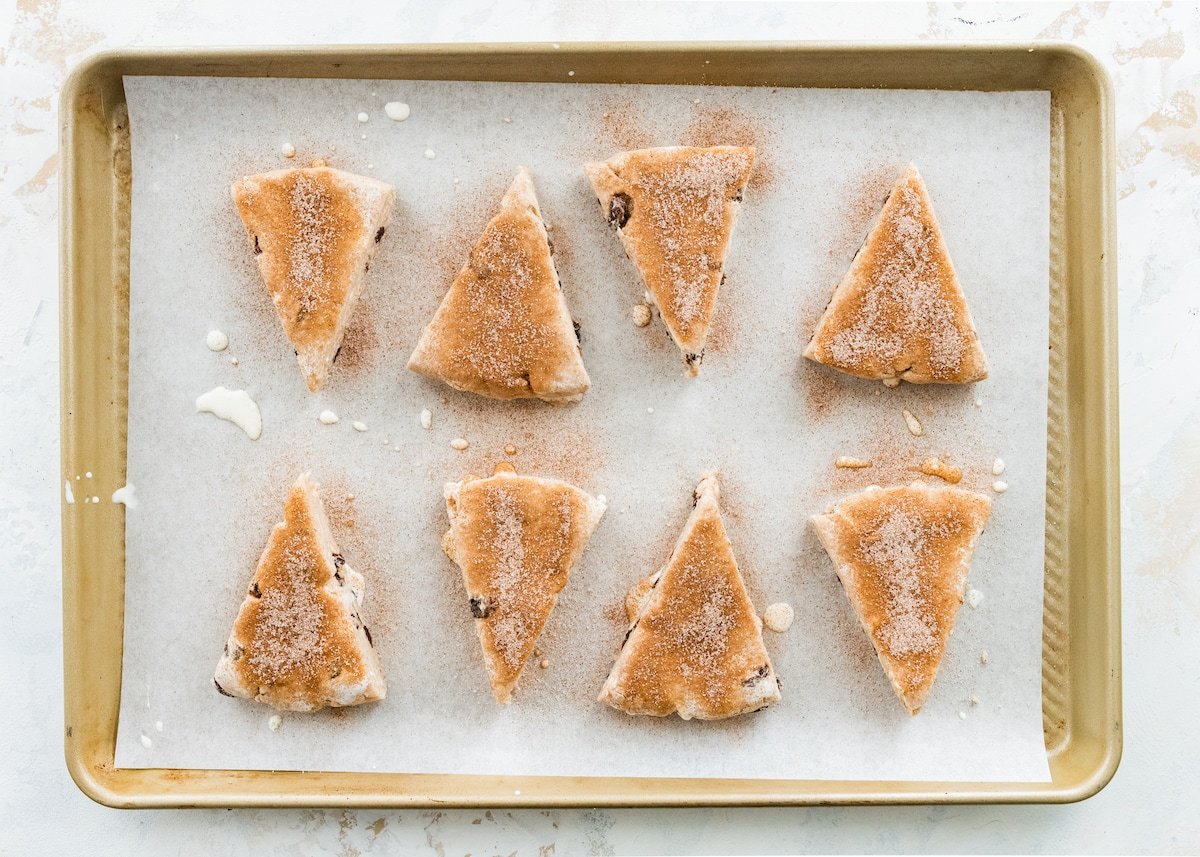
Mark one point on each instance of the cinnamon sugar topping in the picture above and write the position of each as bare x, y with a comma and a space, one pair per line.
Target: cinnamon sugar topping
901, 555
515, 538
289, 637
503, 329
899, 313
905, 295
686, 204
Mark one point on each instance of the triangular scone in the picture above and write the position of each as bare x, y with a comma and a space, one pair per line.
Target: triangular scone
515, 539
504, 330
695, 643
314, 231
899, 314
674, 208
902, 555
298, 642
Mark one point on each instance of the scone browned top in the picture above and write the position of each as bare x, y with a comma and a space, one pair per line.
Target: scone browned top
515, 539
503, 329
906, 549
900, 311
696, 647
307, 225
676, 207
294, 632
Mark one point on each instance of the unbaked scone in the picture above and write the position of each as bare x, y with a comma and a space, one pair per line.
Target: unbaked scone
902, 555
515, 539
298, 642
674, 209
899, 314
314, 232
694, 645
504, 330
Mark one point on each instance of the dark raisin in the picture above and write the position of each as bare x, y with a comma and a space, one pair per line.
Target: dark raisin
335, 670
337, 575
337, 354
480, 608
339, 560
738, 198
379, 234
620, 207
760, 673
367, 631
238, 651
254, 590
257, 249
220, 689
578, 337
722, 281
694, 359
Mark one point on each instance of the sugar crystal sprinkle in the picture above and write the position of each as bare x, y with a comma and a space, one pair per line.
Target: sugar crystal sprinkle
459, 443
903, 552
328, 417
359, 426
997, 466
426, 419
914, 425
999, 486
275, 722
906, 298
679, 200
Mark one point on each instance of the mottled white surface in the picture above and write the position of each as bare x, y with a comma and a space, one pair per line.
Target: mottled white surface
1153, 53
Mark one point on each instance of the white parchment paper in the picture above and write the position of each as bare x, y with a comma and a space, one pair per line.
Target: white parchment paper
770, 421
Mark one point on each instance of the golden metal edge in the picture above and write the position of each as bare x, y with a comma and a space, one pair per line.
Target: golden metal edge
95, 780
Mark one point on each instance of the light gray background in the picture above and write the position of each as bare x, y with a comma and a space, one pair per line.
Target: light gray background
1152, 52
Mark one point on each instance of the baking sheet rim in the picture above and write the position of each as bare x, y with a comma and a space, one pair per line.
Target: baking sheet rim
106, 783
